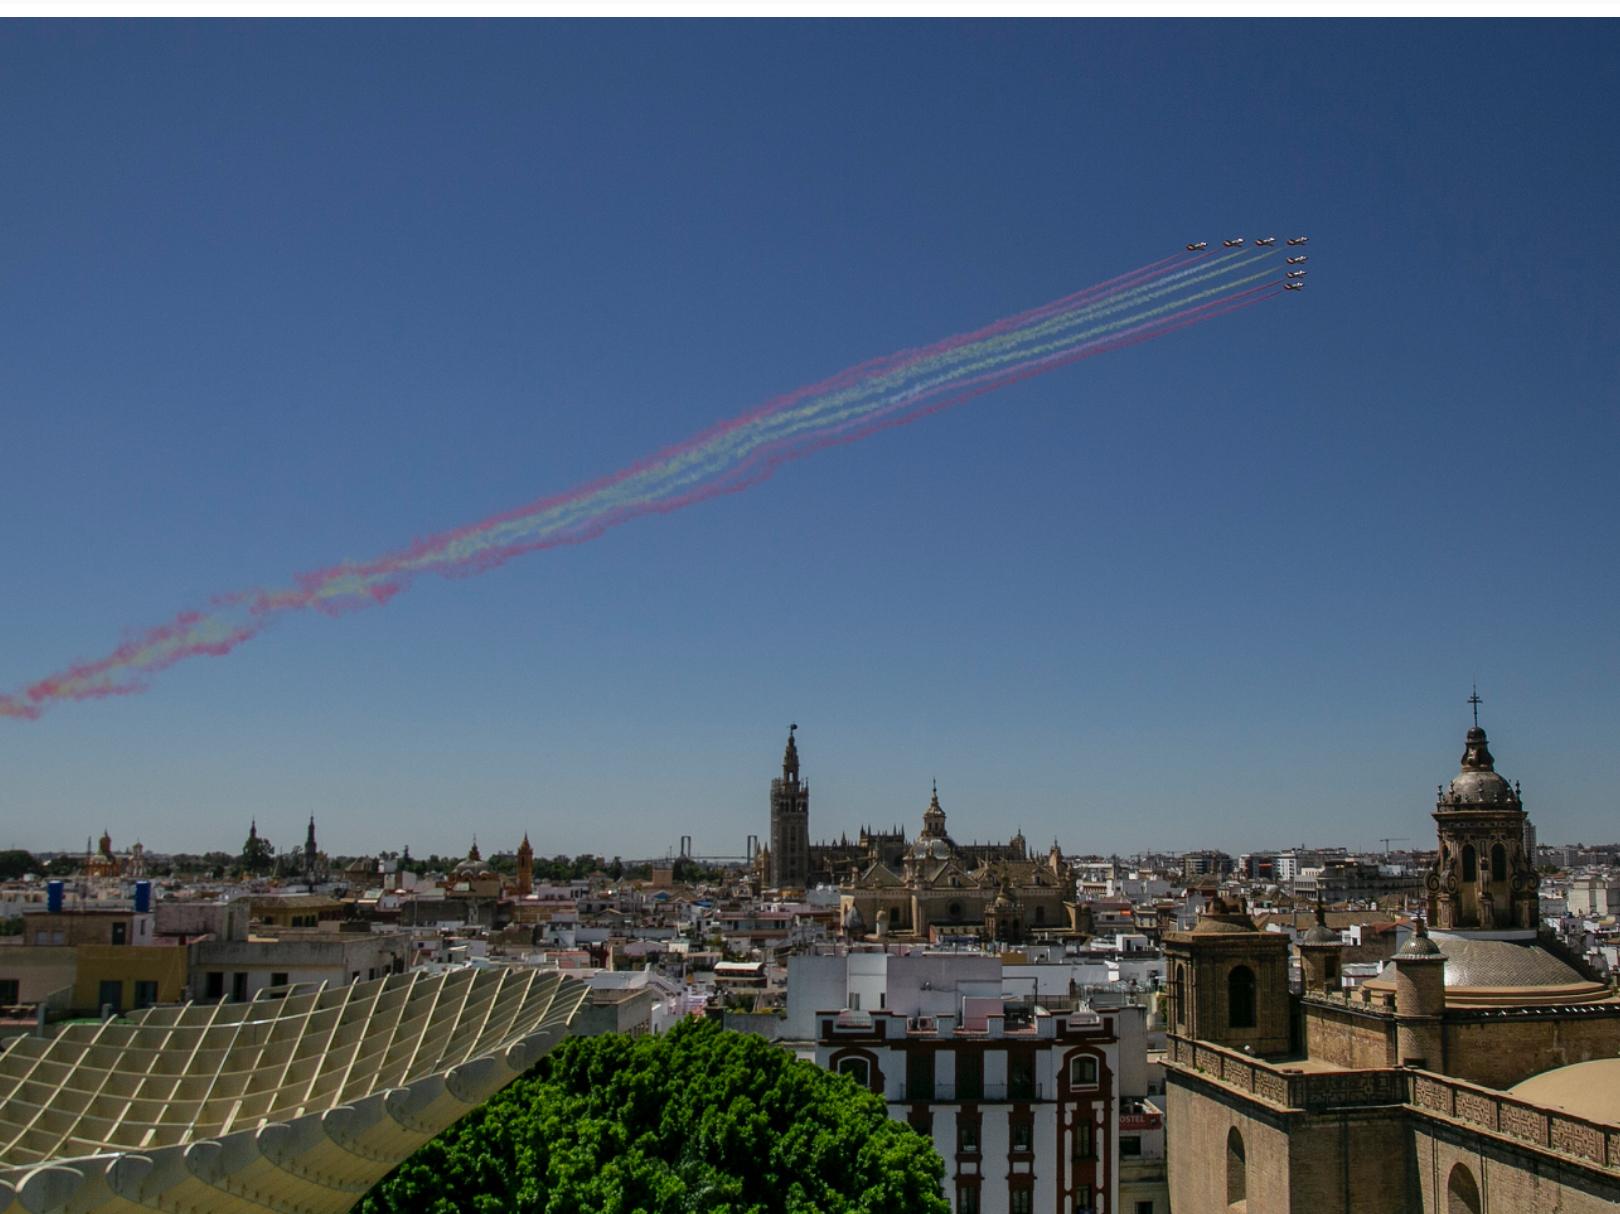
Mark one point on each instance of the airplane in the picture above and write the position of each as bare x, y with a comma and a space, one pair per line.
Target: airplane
1269, 240
1293, 286
1295, 274
1235, 243
1294, 261
1197, 246
1297, 240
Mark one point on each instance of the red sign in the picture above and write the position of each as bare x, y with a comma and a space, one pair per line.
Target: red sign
1140, 1121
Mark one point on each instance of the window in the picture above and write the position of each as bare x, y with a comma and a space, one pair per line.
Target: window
1083, 1072
278, 978
919, 1075
922, 1121
1468, 863
120, 933
1240, 997
1082, 1140
1237, 1180
855, 1001
1130, 1145
1144, 1207
111, 995
1020, 1075
1498, 863
967, 1135
1179, 996
967, 1199
858, 1069
9, 991
1084, 1203
1020, 1133
969, 1075
146, 993
1021, 1201
214, 985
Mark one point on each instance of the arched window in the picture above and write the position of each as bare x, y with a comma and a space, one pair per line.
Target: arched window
858, 1069
1237, 1172
1083, 1072
1462, 1194
1179, 996
1498, 863
1469, 871
1240, 998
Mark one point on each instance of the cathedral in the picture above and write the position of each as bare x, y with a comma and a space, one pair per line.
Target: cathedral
917, 889
1477, 1072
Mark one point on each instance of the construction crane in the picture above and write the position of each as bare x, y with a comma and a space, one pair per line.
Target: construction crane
1388, 839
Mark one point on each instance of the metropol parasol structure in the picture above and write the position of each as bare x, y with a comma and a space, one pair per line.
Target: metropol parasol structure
296, 1102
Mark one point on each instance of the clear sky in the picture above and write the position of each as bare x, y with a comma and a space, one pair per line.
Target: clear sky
274, 296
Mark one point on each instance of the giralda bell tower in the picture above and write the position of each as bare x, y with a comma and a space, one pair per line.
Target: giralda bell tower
790, 822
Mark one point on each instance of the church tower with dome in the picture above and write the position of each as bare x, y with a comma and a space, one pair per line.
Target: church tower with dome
1467, 1076
1482, 878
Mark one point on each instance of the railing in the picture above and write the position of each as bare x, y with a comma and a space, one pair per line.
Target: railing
1426, 1094
1503, 1115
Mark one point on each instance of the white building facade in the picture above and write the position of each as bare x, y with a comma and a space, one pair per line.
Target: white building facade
1022, 1104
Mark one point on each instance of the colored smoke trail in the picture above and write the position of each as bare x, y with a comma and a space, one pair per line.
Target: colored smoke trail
896, 389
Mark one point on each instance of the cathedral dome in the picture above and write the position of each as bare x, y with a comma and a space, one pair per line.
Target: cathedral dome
1587, 1089
1492, 973
1478, 785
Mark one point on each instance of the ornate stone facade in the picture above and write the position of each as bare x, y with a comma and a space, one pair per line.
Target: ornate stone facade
1381, 1101
1482, 877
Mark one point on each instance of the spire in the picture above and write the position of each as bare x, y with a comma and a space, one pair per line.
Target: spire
790, 757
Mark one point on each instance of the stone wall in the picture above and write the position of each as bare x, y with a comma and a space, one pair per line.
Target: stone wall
1501, 1052
1347, 1039
1373, 1141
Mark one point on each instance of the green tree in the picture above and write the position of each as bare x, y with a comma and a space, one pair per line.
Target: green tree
697, 1121
16, 863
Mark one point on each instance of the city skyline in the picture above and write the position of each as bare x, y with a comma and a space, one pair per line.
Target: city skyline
286, 295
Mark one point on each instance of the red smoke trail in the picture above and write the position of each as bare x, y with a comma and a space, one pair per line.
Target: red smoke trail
883, 364
128, 668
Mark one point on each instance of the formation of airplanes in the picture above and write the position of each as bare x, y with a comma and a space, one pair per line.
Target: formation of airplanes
1295, 277
1264, 242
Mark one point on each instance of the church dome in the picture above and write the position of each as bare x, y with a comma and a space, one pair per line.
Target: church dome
1321, 933
1478, 785
1482, 972
1586, 1089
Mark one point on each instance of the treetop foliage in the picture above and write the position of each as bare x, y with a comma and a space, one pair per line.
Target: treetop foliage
697, 1121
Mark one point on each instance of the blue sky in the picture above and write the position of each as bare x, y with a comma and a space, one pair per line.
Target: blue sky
277, 295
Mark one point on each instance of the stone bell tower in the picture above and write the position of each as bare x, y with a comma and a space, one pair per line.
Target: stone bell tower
790, 822
1482, 879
